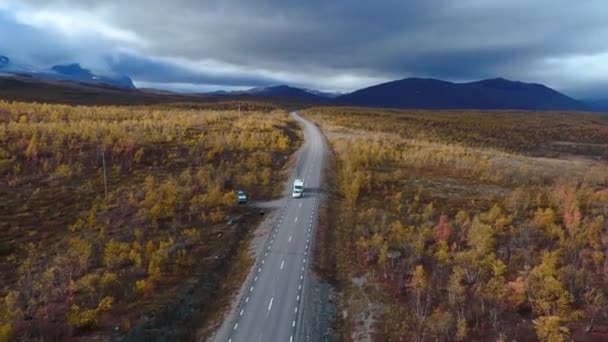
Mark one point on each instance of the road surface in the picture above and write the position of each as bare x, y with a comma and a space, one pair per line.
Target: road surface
270, 305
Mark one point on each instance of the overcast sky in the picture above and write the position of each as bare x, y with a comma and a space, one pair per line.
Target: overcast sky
334, 45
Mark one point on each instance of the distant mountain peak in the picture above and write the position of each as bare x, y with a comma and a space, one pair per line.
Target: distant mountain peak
503, 84
280, 86
73, 69
496, 93
76, 72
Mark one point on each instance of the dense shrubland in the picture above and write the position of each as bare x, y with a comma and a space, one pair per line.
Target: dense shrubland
458, 232
531, 133
76, 261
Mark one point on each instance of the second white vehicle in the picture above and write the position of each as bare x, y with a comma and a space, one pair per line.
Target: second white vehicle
298, 188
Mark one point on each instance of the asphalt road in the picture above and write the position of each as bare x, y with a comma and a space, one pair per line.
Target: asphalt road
271, 309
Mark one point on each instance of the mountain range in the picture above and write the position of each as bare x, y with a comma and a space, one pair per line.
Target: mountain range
408, 93
68, 72
424, 93
282, 91
495, 93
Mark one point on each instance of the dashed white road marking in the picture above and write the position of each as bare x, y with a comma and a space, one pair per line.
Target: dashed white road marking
270, 304
241, 313
296, 310
255, 279
236, 325
251, 289
293, 324
296, 220
247, 300
282, 264
300, 204
289, 238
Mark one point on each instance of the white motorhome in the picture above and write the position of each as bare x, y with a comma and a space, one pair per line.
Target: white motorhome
298, 188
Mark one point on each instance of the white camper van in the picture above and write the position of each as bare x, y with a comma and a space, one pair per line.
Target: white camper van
298, 188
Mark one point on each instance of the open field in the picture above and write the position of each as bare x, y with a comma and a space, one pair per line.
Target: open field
467, 225
77, 263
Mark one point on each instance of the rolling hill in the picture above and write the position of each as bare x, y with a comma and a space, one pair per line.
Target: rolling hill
280, 91
495, 93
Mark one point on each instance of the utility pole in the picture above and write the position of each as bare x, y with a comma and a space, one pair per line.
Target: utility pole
105, 178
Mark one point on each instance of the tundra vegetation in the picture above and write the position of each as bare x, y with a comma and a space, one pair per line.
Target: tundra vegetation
79, 262
459, 226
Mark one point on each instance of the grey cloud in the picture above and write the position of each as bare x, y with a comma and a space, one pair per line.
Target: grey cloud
456, 40
157, 71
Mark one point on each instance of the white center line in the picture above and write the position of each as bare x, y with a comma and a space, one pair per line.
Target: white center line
296, 220
247, 300
289, 238
236, 326
270, 304
282, 264
241, 313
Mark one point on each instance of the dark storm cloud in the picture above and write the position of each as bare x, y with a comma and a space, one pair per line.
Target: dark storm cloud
158, 71
342, 44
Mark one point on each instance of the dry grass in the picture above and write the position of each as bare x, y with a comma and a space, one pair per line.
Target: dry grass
479, 205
